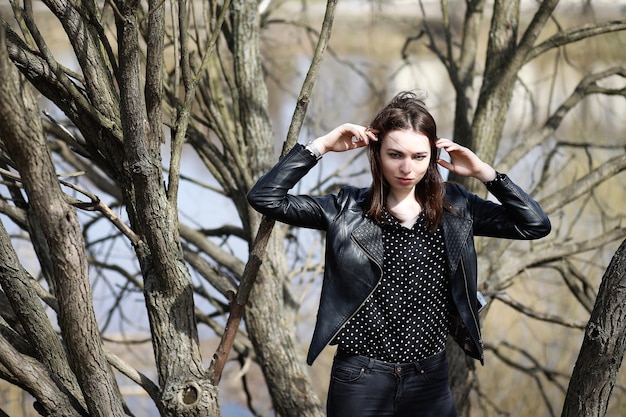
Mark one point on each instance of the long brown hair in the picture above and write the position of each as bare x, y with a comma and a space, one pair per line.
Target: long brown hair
406, 111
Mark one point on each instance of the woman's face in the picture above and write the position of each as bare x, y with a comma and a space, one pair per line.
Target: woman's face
404, 157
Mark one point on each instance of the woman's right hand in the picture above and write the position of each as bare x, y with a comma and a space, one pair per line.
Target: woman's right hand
345, 137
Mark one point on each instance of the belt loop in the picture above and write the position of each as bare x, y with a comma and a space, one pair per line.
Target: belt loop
370, 365
418, 367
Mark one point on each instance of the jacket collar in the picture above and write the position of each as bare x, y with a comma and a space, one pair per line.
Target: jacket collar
456, 232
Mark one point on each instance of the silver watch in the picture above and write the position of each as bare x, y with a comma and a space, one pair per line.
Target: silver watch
312, 149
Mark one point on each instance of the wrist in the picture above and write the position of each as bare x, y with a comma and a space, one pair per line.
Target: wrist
320, 144
496, 180
314, 150
487, 175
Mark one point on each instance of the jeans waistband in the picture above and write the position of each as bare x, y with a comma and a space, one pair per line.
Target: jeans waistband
420, 366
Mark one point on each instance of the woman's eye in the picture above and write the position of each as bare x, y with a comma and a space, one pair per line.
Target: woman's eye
419, 157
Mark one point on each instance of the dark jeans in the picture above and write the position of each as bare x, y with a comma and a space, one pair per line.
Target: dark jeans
364, 387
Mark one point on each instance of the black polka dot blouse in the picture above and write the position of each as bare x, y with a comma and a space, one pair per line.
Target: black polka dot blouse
407, 317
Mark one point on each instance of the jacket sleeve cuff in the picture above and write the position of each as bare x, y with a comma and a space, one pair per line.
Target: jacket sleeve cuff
496, 181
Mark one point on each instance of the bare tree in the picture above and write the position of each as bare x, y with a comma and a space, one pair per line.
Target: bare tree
118, 105
155, 81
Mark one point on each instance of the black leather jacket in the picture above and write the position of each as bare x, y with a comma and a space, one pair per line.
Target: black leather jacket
354, 250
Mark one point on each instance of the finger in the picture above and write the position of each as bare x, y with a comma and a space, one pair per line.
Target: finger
371, 135
441, 142
357, 142
447, 165
450, 147
363, 136
356, 139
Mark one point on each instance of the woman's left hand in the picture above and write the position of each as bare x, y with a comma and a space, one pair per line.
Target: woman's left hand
464, 162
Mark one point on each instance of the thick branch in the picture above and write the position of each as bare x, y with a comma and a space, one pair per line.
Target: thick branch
35, 378
27, 306
184, 386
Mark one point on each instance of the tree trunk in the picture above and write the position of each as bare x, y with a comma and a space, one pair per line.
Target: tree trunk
461, 371
270, 313
185, 386
270, 323
20, 124
603, 346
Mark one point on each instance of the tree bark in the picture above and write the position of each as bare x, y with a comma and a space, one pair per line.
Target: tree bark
603, 346
505, 57
186, 387
32, 375
30, 313
20, 124
461, 371
270, 316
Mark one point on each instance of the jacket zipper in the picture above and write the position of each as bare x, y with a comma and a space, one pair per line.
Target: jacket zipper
480, 339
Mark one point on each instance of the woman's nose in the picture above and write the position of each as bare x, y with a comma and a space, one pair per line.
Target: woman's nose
405, 165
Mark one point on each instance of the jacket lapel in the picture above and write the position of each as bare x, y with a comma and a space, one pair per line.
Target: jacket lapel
369, 237
456, 232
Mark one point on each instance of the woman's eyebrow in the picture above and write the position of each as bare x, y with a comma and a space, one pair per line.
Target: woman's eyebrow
406, 151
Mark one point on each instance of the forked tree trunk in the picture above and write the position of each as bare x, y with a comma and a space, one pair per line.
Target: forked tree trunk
22, 136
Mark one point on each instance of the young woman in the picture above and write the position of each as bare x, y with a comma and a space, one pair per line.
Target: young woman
401, 270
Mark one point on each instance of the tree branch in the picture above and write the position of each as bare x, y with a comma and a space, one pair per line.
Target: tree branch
527, 311
566, 37
585, 184
586, 86
60, 226
35, 377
